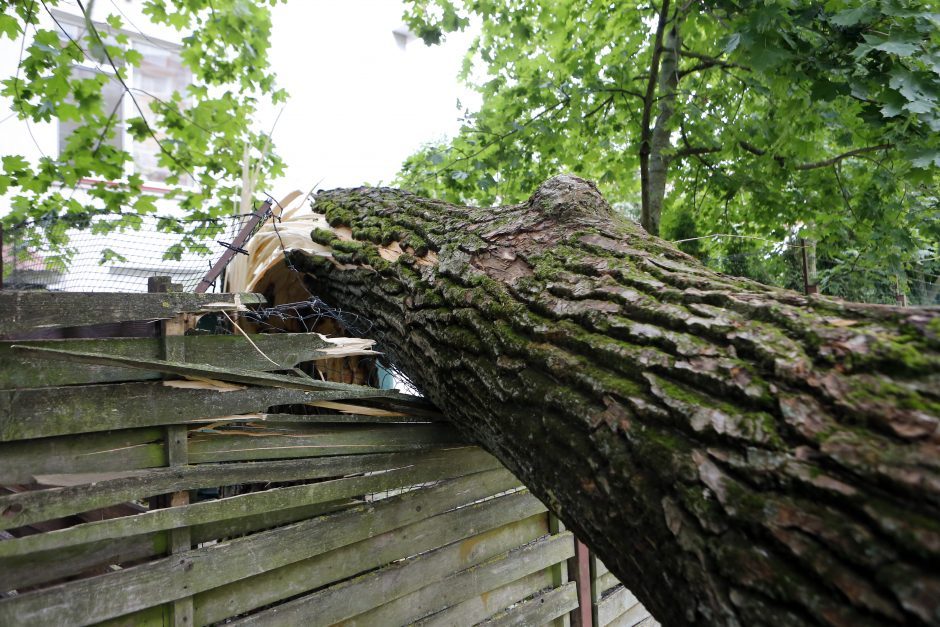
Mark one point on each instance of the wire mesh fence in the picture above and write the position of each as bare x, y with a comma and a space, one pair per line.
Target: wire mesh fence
115, 253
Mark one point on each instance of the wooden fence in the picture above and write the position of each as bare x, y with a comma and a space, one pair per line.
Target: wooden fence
198, 479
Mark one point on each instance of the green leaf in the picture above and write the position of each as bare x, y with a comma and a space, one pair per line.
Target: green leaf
902, 48
851, 17
893, 104
108, 255
173, 253
920, 94
13, 164
732, 43
9, 26
925, 158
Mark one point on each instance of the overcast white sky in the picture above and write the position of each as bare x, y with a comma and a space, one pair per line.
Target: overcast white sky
359, 103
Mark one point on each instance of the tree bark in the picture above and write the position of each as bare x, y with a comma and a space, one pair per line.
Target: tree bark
736, 454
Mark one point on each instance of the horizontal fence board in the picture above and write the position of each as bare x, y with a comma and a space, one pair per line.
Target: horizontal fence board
456, 580
486, 604
127, 449
614, 604
600, 568
287, 349
24, 571
420, 469
236, 527
99, 598
519, 510
35, 505
218, 373
539, 610
317, 441
48, 566
351, 598
605, 582
31, 310
46, 412
632, 616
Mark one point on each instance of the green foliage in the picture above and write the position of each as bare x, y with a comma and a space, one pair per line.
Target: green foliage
204, 134
788, 118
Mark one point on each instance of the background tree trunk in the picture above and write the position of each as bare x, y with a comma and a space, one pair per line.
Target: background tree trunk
736, 454
660, 142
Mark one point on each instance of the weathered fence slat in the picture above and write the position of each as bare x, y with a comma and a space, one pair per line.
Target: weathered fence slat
614, 604
99, 598
519, 510
287, 349
127, 449
28, 570
538, 610
605, 582
632, 616
216, 510
217, 373
559, 570
29, 310
46, 412
24, 571
346, 600
320, 441
492, 563
80, 496
483, 606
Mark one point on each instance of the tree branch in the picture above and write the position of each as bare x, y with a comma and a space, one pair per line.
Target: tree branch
845, 155
751, 148
707, 62
620, 90
691, 151
602, 104
815, 165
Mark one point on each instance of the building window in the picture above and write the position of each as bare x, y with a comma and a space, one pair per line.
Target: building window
111, 94
159, 75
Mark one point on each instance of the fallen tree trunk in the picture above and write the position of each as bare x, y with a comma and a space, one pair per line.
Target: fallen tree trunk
736, 454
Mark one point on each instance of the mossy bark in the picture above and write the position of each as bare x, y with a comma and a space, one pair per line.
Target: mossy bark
737, 454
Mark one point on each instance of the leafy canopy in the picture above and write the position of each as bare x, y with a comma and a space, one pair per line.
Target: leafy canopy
786, 118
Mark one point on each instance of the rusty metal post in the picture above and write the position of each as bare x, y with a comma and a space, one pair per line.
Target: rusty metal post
579, 571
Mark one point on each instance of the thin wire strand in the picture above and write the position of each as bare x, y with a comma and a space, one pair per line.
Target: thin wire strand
255, 346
